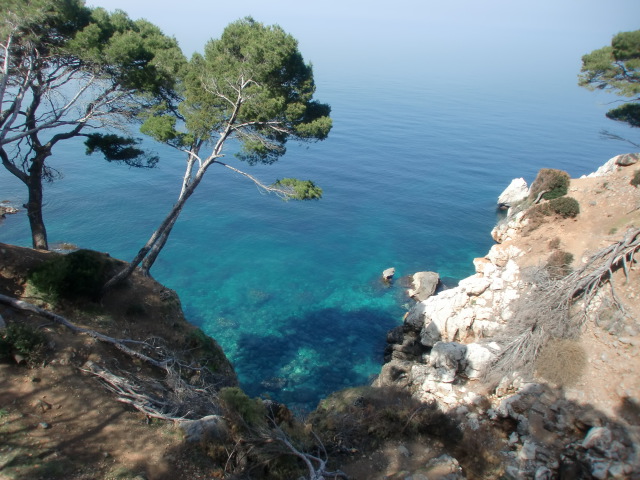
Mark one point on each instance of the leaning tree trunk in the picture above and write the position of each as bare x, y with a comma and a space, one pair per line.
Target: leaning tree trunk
34, 205
161, 234
150, 259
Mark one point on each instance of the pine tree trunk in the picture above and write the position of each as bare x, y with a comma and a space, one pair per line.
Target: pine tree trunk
160, 235
150, 259
34, 205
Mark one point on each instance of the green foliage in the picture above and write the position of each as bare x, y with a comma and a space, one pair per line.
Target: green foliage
628, 113
261, 64
300, 189
250, 410
208, 351
135, 54
77, 274
22, 339
116, 148
554, 182
635, 180
566, 207
616, 69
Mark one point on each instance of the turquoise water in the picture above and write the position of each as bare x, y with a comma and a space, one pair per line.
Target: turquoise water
410, 173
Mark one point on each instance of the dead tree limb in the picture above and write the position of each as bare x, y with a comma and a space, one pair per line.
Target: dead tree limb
133, 394
117, 343
547, 311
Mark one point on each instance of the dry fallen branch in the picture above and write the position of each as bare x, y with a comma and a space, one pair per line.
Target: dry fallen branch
118, 343
129, 392
177, 399
559, 308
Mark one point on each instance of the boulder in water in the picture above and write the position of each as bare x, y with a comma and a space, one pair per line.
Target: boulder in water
388, 274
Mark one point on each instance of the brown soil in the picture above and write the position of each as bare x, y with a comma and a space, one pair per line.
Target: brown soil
56, 420
609, 205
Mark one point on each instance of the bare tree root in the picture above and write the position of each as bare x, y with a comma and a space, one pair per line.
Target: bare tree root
559, 308
177, 399
316, 466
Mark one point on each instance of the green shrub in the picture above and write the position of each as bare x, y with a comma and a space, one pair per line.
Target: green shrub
235, 401
566, 207
22, 339
554, 243
208, 352
559, 264
635, 180
77, 274
301, 189
554, 182
362, 417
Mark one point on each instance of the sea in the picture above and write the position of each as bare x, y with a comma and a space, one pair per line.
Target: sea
292, 291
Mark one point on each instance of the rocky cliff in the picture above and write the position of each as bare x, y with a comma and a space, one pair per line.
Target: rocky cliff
542, 352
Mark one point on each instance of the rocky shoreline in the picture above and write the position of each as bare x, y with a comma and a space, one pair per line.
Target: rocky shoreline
445, 346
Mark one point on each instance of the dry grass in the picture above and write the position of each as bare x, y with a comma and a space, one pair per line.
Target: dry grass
562, 362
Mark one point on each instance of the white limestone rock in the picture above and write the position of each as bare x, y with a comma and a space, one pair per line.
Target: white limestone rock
477, 357
388, 274
499, 255
474, 285
517, 191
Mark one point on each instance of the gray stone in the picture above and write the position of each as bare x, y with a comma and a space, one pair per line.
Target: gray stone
627, 159
528, 451
424, 285
477, 357
447, 359
211, 427
598, 438
430, 335
404, 451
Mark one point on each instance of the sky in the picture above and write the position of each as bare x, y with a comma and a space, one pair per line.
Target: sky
359, 38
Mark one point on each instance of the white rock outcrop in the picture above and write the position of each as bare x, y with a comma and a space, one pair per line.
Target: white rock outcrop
517, 191
474, 309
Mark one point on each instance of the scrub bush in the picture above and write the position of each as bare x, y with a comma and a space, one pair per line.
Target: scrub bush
78, 274
635, 180
22, 339
554, 182
566, 207
251, 410
559, 264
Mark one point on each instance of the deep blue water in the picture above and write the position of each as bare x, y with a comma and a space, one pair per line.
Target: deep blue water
291, 290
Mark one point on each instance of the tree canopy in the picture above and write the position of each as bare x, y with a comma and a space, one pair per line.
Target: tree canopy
67, 71
616, 68
251, 86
